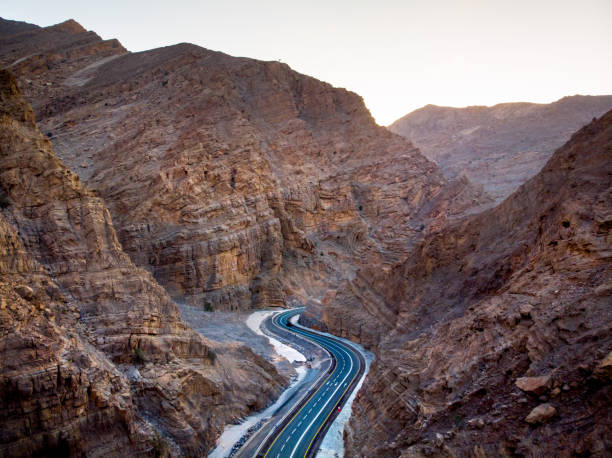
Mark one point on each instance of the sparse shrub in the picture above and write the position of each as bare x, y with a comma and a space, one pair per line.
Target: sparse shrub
361, 208
212, 356
138, 356
208, 307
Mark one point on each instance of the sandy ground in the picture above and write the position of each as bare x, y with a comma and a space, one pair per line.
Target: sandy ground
225, 327
254, 322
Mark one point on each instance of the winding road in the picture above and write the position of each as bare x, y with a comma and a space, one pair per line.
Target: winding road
300, 432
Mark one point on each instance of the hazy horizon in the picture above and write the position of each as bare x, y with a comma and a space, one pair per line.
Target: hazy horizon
399, 56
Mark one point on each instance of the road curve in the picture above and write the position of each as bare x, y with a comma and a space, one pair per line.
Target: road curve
301, 431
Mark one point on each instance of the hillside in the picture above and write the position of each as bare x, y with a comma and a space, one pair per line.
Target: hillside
237, 183
502, 146
185, 175
501, 343
88, 340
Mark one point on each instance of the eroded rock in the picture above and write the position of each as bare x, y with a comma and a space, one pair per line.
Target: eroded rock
447, 351
69, 341
541, 414
535, 385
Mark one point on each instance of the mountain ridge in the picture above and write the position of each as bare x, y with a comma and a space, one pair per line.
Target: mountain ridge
88, 338
516, 294
248, 165
500, 146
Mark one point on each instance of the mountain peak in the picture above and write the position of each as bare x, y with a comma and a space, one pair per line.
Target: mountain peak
70, 26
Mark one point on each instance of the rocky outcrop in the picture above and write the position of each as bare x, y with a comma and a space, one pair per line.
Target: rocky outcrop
502, 325
96, 359
235, 182
499, 147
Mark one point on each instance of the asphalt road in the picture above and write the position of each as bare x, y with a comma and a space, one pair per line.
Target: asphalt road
302, 430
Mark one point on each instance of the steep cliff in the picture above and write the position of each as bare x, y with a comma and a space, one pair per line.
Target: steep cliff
502, 146
95, 357
235, 182
502, 338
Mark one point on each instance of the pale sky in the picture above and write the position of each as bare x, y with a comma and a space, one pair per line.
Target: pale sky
397, 54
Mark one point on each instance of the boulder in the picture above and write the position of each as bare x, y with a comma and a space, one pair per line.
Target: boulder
535, 385
541, 414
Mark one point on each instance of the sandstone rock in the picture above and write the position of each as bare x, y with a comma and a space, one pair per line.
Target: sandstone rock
477, 423
541, 414
25, 291
223, 174
525, 310
534, 385
555, 392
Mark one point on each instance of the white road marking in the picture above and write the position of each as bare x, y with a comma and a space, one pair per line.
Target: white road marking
328, 400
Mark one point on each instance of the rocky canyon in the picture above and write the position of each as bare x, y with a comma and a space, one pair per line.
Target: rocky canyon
501, 342
95, 357
130, 182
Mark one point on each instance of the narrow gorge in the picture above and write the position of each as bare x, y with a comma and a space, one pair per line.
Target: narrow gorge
131, 182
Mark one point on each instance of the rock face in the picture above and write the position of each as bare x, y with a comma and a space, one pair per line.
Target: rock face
95, 357
235, 182
514, 299
502, 146
238, 183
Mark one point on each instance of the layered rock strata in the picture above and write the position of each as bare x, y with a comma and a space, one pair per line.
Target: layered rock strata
95, 357
501, 329
228, 178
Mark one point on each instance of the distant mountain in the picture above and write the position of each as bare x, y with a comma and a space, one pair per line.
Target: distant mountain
502, 146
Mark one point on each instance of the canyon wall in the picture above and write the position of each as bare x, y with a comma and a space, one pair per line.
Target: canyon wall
502, 342
95, 357
501, 146
237, 183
